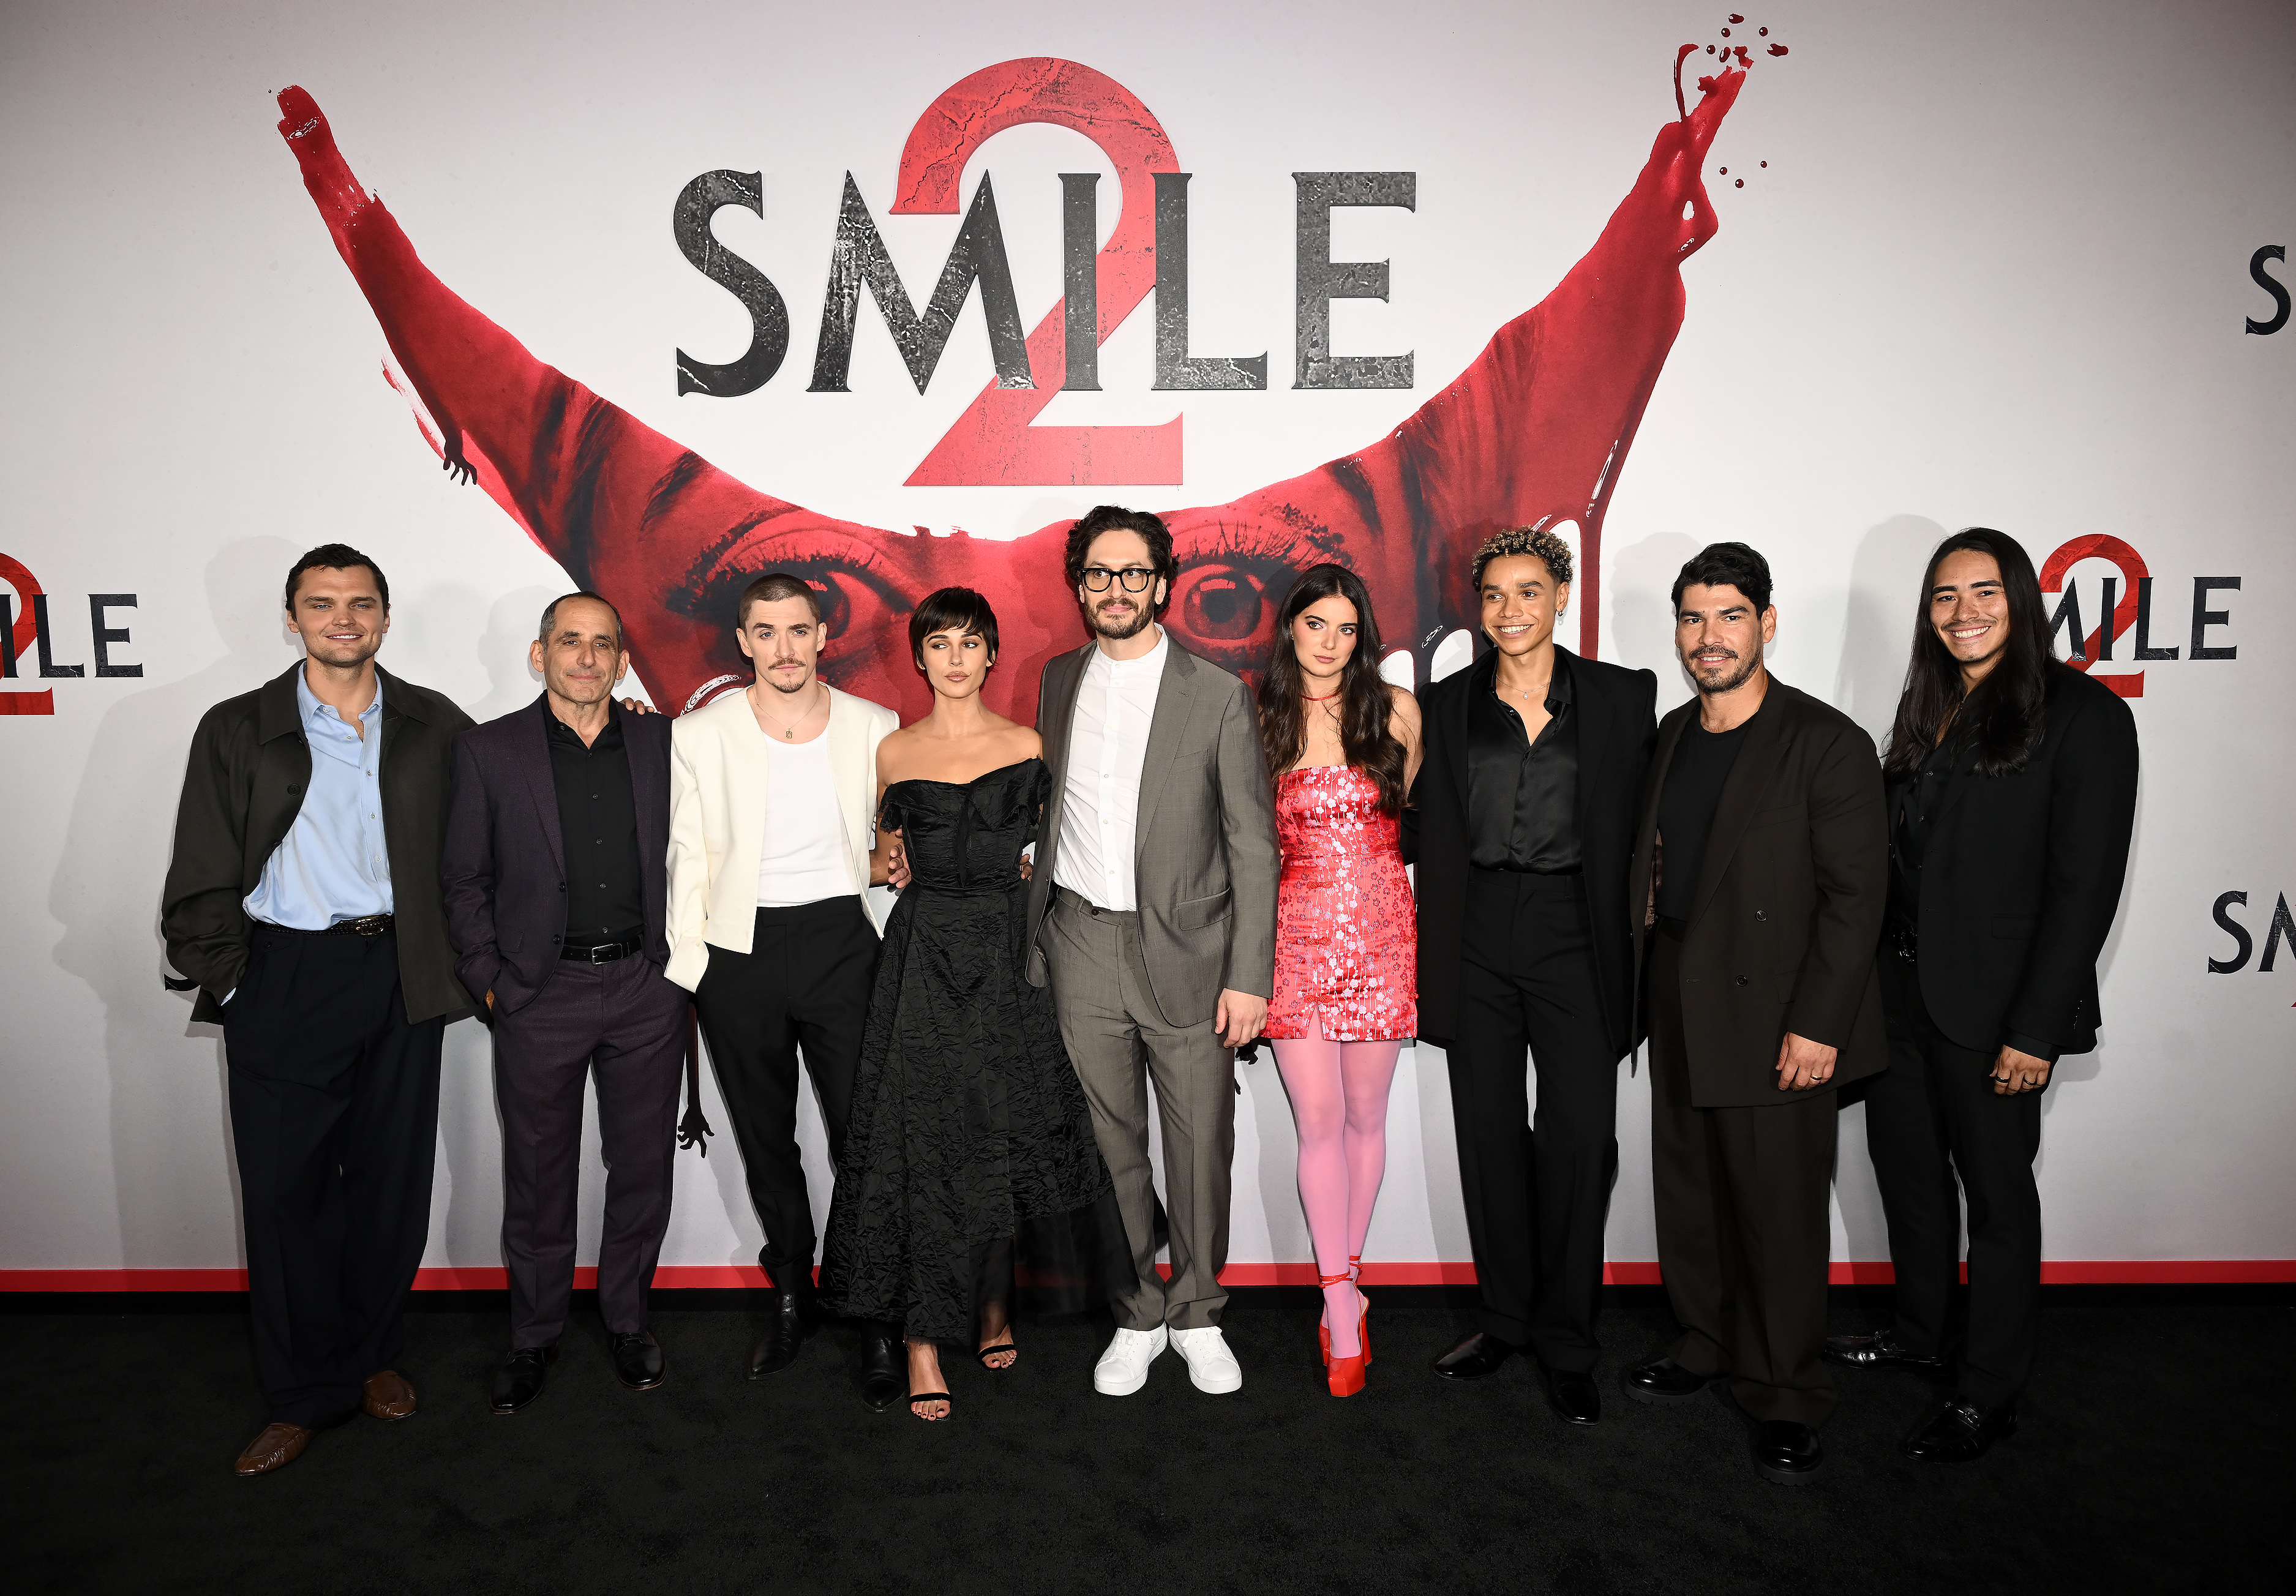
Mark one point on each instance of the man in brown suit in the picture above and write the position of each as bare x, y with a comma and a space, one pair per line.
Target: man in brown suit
1761, 869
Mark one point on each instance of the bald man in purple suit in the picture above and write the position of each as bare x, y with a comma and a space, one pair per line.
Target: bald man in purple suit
554, 871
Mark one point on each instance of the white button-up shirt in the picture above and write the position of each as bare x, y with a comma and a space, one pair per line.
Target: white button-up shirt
1108, 748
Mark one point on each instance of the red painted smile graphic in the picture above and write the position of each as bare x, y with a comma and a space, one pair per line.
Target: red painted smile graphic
1534, 433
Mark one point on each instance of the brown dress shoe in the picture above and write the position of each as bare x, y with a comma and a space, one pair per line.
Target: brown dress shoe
387, 1395
277, 1446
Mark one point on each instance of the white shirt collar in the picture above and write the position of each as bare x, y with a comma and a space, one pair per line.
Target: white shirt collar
1152, 660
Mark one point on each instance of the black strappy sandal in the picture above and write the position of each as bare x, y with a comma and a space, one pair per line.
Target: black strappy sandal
932, 1396
987, 1352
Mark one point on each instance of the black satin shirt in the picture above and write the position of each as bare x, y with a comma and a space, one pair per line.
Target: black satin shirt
598, 825
1522, 796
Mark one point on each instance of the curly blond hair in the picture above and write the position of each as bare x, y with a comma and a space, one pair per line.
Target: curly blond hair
1535, 541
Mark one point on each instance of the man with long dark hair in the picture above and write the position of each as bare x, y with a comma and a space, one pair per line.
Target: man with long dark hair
2012, 796
1521, 825
1759, 874
1151, 915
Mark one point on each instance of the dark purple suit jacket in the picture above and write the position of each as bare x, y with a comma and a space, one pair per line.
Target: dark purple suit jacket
503, 869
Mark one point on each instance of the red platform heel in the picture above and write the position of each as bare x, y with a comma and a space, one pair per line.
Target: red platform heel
1362, 1332
1344, 1375
1363, 1327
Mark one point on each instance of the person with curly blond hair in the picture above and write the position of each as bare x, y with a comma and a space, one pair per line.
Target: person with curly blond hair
1521, 824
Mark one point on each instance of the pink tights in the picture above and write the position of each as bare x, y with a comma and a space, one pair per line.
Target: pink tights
1339, 1098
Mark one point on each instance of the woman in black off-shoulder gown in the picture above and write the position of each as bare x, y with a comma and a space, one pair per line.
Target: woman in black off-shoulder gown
970, 1174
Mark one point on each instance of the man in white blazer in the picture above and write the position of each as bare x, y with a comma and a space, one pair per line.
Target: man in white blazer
772, 795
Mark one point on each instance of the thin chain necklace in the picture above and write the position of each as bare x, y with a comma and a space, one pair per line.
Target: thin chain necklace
789, 732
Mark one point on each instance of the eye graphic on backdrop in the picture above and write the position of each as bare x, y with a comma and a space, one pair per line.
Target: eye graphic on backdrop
1233, 579
1537, 426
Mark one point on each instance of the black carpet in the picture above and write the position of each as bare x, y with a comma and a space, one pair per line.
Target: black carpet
2154, 1457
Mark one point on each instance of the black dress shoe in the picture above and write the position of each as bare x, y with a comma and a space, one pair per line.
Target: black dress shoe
1881, 1351
1663, 1381
884, 1368
518, 1380
789, 1320
638, 1362
1787, 1453
1571, 1393
1959, 1432
1479, 1354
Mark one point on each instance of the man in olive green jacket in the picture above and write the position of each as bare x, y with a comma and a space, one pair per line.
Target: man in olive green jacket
303, 902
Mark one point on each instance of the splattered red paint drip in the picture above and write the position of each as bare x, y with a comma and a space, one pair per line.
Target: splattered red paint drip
1534, 432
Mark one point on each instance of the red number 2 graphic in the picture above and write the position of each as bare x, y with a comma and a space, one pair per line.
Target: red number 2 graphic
2131, 564
26, 636
993, 442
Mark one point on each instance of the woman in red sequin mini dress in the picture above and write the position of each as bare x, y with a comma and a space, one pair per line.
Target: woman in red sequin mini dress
1342, 746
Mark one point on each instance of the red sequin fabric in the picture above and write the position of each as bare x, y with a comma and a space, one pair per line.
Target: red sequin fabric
1346, 940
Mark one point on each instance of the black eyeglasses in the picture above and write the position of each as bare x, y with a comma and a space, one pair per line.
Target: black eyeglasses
1136, 578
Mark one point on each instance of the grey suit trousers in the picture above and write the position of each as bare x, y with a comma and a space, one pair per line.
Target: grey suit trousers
1119, 1041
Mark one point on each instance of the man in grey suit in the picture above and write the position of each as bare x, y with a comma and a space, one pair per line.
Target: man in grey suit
1151, 914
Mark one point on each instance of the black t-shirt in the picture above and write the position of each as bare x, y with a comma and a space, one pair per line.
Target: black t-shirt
1694, 776
598, 825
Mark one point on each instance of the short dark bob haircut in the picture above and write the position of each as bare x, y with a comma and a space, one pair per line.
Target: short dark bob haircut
1113, 518
337, 557
1726, 565
958, 610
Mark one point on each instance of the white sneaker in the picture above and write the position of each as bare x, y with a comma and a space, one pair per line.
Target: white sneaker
1123, 1368
1210, 1365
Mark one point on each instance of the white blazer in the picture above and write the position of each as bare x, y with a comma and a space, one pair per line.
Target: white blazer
717, 772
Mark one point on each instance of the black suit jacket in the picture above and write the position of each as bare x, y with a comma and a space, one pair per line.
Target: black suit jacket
504, 873
1615, 709
1790, 897
2022, 876
242, 788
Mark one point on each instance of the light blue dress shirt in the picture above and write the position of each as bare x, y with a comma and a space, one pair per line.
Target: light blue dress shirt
333, 864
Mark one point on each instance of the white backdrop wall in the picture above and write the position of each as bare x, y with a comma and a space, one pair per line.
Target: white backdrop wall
1997, 269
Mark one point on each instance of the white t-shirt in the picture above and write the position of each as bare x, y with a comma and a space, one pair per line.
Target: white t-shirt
1108, 748
803, 859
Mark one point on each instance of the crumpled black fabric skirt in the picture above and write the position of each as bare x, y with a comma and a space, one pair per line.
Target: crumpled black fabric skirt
970, 1176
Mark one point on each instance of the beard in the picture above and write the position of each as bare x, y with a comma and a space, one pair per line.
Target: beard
1743, 671
1115, 629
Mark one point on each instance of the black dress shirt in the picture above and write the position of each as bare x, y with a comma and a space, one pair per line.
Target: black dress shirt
598, 823
1913, 806
1523, 796
1695, 778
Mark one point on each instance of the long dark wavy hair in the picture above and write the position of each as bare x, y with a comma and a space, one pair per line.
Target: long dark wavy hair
2006, 715
1366, 704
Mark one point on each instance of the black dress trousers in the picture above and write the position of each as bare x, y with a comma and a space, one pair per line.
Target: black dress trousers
803, 987
1931, 1116
1537, 1186
623, 1024
334, 1119
1744, 1227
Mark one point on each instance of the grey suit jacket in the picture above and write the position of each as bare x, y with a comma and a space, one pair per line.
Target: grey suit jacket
1205, 863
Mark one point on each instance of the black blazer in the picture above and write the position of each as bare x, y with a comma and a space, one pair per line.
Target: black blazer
504, 872
2020, 877
242, 788
1790, 897
1615, 709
